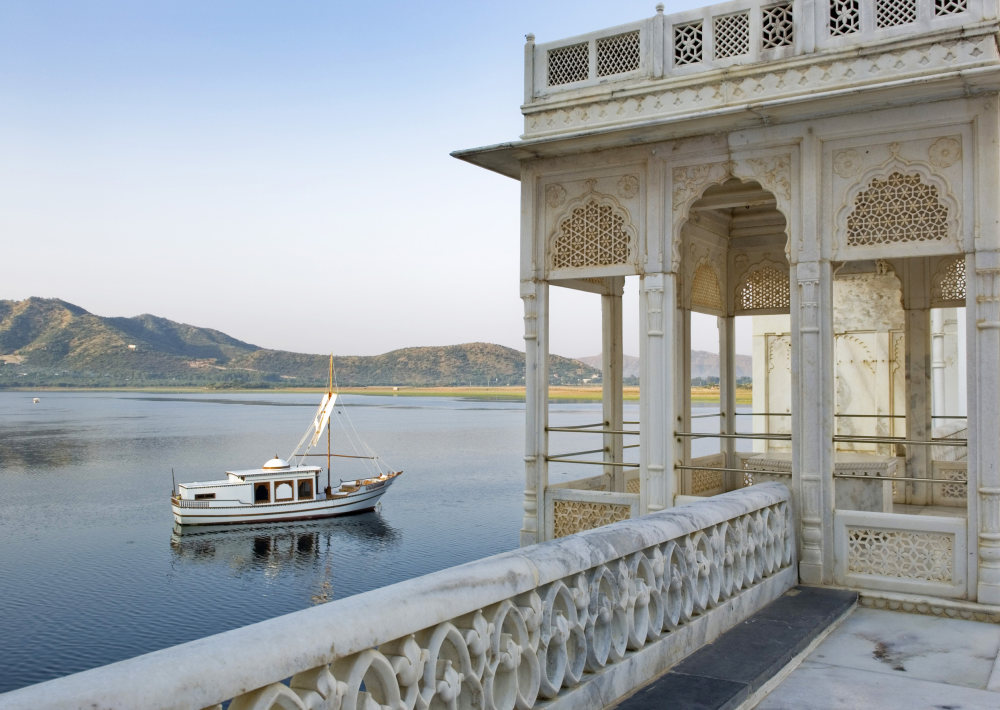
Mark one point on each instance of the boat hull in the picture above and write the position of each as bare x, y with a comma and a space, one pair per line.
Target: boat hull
188, 512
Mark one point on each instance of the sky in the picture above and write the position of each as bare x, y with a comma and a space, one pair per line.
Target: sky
280, 171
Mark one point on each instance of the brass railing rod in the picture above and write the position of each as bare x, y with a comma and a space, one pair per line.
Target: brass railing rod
899, 440
727, 470
771, 472
571, 430
592, 463
581, 453
704, 435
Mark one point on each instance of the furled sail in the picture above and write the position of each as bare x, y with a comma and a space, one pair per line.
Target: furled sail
322, 416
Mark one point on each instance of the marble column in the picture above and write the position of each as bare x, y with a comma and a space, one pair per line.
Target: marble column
812, 417
612, 356
984, 428
657, 296
918, 391
682, 397
727, 395
535, 295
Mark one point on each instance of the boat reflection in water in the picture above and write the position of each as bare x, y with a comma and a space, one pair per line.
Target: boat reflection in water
306, 548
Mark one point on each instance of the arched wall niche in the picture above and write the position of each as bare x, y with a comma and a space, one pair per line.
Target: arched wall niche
898, 199
592, 223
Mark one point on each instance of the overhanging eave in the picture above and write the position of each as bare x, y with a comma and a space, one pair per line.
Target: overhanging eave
506, 158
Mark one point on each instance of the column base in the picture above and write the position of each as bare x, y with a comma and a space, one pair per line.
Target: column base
810, 573
988, 594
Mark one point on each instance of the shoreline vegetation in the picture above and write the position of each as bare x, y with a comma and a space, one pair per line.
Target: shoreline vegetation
557, 393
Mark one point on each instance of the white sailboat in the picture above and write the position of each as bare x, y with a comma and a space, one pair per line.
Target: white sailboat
280, 490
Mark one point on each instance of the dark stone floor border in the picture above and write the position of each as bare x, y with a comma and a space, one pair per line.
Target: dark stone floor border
726, 672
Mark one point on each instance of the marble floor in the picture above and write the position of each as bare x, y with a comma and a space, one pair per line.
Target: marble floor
888, 659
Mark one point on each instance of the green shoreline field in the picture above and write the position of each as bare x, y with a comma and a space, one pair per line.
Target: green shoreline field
701, 395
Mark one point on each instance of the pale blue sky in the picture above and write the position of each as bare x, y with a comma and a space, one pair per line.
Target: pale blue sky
277, 170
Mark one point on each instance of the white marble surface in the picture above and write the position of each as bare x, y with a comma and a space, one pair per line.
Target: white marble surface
886, 659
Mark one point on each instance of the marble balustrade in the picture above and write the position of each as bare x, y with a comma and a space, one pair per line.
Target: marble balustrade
576, 622
729, 35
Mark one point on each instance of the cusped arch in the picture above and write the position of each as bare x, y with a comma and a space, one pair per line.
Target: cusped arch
772, 175
594, 231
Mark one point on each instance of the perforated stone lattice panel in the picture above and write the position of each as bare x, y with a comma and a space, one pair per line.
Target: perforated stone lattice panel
765, 288
703, 482
618, 54
705, 290
777, 26
890, 13
900, 208
951, 287
845, 17
955, 491
570, 517
950, 7
732, 35
901, 554
569, 64
688, 43
593, 235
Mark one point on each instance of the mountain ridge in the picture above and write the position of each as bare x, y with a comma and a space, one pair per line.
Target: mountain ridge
703, 364
50, 342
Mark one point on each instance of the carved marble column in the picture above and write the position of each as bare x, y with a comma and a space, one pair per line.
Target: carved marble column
918, 393
812, 418
535, 295
657, 296
612, 355
984, 430
727, 393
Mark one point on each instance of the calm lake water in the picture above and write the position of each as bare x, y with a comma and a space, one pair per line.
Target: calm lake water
93, 571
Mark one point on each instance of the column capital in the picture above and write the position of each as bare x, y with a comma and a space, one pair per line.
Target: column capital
987, 260
529, 289
808, 271
653, 282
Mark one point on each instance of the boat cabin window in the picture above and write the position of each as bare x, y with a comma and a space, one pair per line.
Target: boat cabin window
262, 493
283, 490
204, 496
305, 489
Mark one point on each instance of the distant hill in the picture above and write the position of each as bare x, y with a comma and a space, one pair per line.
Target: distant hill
703, 364
48, 342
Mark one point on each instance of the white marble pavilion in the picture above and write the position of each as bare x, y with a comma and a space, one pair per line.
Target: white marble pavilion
830, 168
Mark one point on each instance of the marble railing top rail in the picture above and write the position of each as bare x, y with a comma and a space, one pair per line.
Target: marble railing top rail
204, 672
732, 34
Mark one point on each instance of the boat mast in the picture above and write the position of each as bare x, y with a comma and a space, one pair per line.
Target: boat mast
329, 393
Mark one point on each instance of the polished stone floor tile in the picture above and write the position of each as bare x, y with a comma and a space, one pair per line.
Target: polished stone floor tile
816, 686
931, 648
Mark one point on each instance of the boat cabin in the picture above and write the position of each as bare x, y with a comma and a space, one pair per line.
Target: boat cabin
277, 481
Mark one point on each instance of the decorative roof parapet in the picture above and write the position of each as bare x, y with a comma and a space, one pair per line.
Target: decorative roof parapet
745, 52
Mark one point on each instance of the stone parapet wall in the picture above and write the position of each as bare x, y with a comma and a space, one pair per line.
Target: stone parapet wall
578, 621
